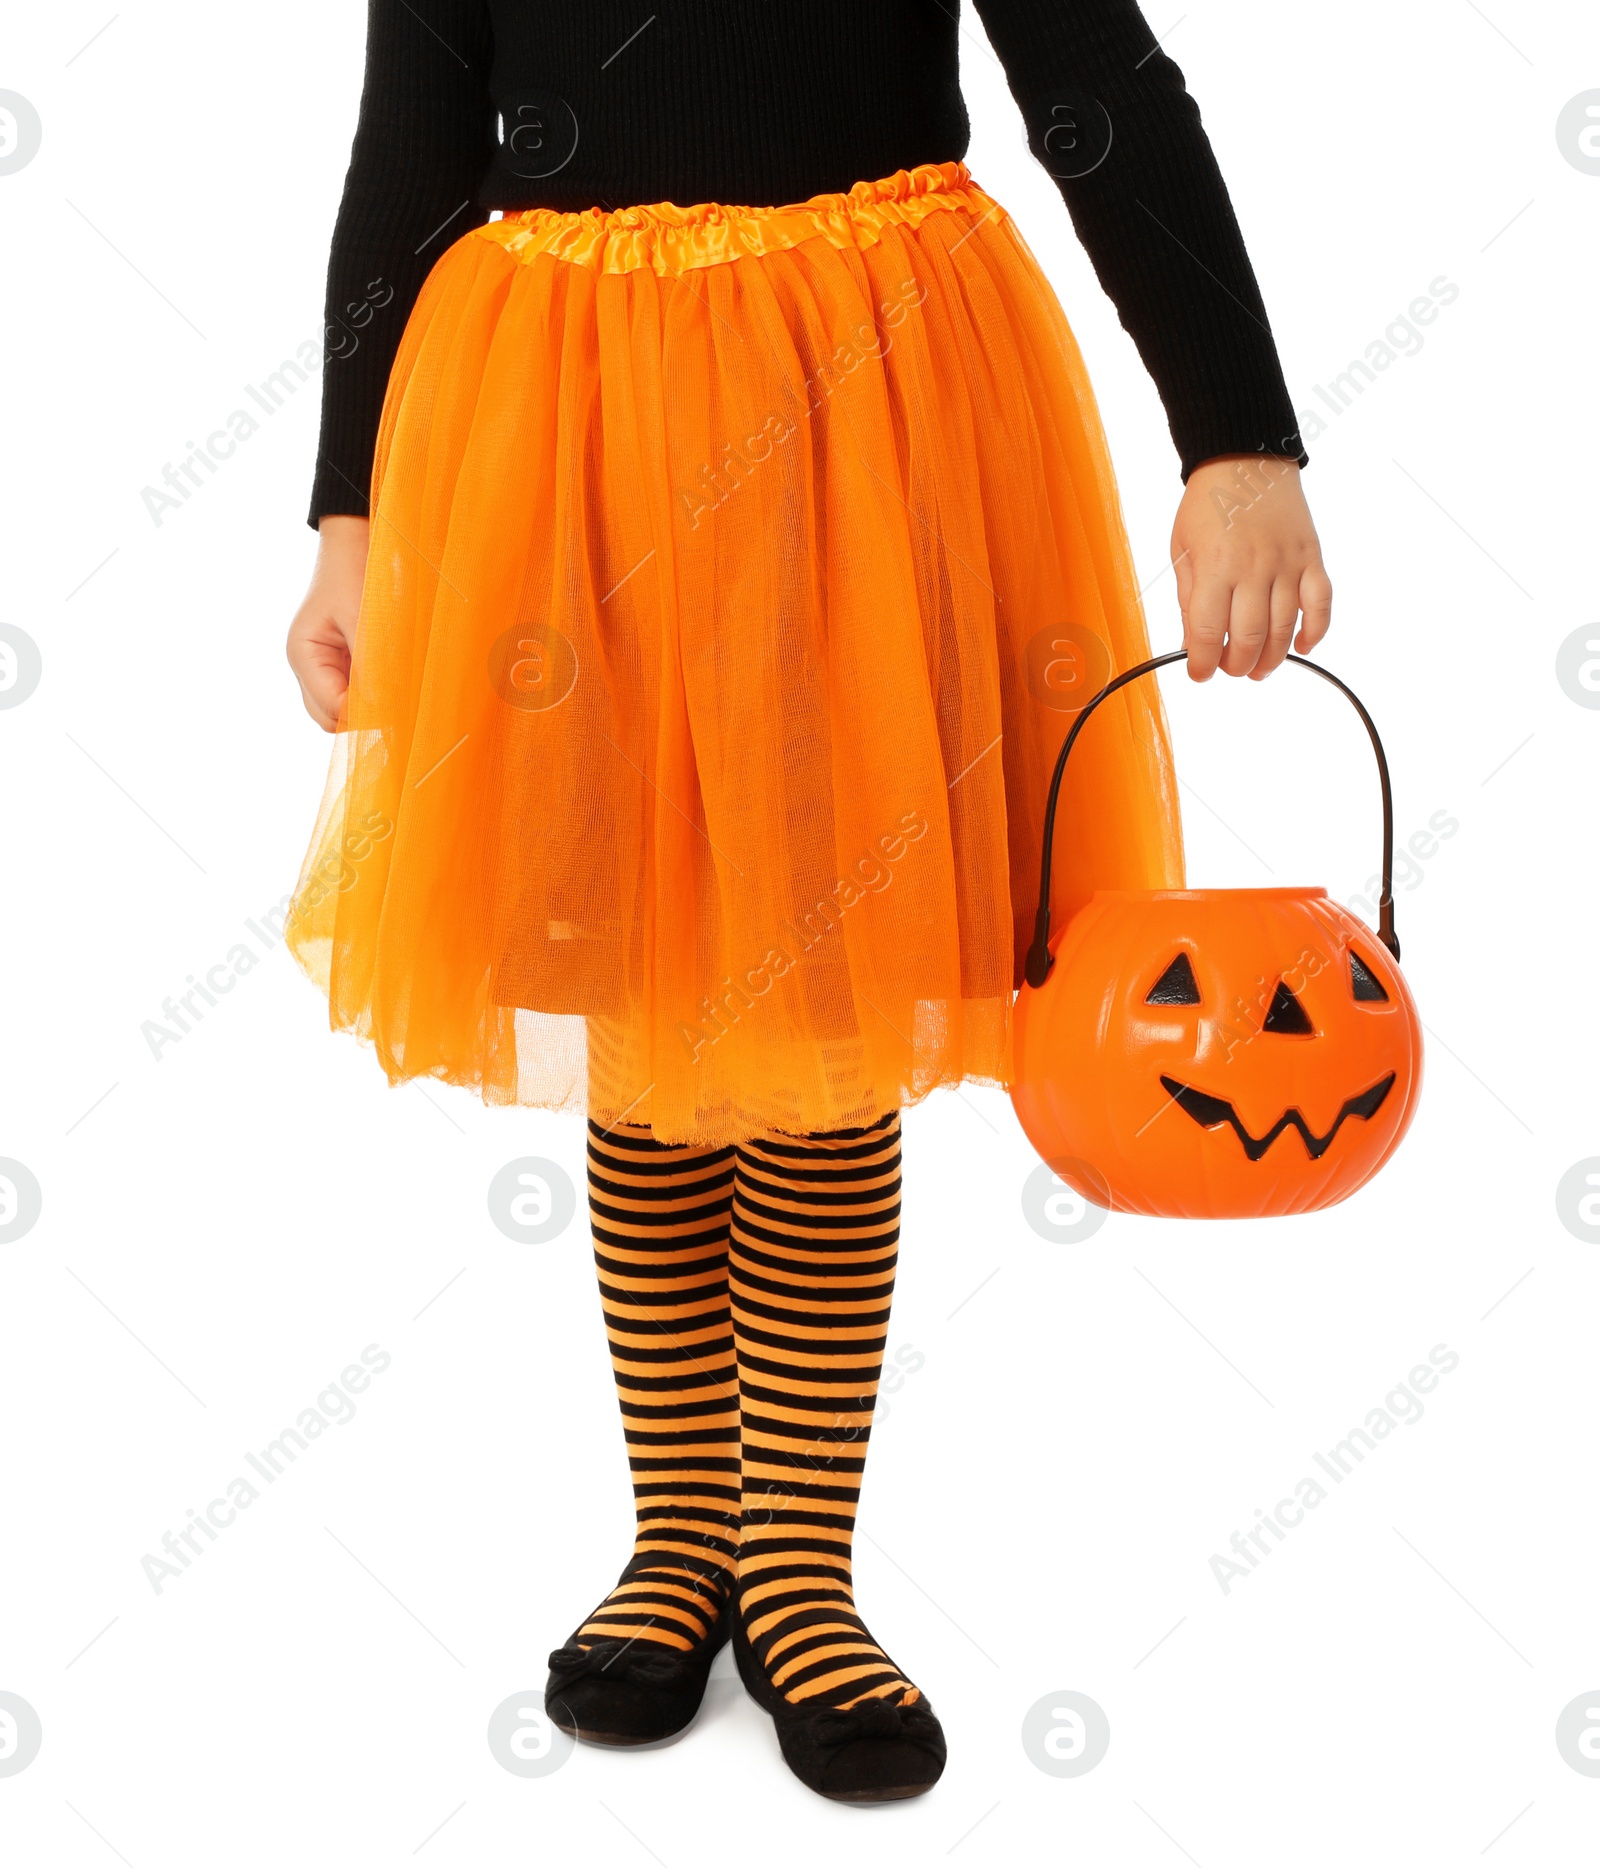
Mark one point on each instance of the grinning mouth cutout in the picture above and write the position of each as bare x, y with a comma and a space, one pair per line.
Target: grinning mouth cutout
1212, 1111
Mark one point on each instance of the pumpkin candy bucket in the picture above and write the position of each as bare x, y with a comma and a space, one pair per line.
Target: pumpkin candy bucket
1215, 1053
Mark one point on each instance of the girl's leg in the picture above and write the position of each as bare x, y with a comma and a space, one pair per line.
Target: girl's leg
816, 1227
635, 1670
660, 1221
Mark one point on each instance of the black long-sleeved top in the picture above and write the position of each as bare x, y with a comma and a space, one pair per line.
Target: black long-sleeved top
766, 102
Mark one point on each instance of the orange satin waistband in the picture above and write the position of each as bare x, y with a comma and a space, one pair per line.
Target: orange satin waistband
670, 239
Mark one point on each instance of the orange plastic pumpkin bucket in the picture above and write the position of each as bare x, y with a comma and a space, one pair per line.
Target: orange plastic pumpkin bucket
1215, 1053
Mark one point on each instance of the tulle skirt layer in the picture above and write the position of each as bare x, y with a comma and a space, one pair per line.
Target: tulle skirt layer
733, 575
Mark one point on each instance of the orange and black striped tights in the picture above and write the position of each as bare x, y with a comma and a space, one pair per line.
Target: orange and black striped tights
746, 1293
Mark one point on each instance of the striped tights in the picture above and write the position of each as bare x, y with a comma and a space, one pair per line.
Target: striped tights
746, 1293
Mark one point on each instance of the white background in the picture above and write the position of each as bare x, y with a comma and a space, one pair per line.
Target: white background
225, 1229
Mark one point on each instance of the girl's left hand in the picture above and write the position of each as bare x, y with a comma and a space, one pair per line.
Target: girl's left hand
1248, 562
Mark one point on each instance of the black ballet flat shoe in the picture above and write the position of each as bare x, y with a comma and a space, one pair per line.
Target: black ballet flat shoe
876, 1752
624, 1693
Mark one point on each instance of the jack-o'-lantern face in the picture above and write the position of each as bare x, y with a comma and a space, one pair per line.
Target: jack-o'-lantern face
1286, 1017
1218, 1053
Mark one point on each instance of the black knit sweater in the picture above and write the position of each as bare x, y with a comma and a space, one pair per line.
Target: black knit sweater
766, 102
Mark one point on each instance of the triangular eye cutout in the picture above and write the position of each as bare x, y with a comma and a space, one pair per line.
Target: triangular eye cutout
1362, 983
1176, 986
1287, 1016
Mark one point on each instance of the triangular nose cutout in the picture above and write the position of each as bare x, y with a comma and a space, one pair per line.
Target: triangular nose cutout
1362, 982
1176, 986
1287, 1016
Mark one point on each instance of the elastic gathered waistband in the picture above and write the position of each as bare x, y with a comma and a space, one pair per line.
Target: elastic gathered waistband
671, 239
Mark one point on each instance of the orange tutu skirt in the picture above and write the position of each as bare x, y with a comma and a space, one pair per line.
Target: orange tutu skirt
733, 574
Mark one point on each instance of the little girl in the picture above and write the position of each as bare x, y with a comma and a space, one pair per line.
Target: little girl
713, 548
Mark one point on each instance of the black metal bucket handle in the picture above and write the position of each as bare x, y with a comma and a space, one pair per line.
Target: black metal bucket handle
1036, 970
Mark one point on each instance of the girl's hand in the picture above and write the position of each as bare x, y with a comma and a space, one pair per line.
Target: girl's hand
322, 635
1248, 562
